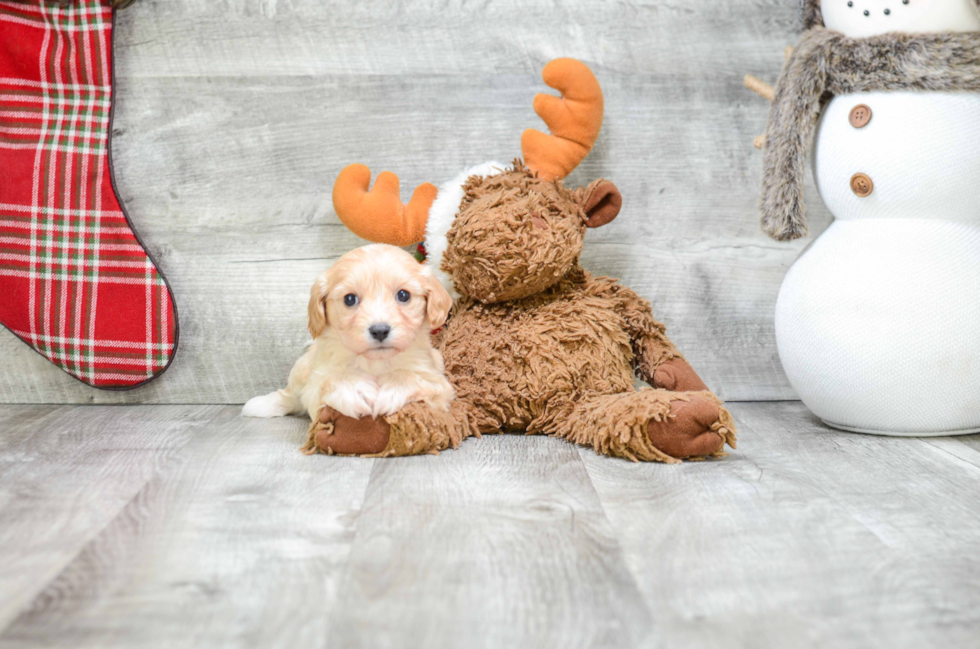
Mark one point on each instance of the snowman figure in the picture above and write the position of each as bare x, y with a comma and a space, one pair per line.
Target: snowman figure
878, 321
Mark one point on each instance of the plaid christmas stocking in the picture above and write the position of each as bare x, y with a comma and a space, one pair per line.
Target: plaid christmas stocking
76, 284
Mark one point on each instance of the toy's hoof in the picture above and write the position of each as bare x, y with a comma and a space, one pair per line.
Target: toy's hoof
349, 436
689, 430
677, 375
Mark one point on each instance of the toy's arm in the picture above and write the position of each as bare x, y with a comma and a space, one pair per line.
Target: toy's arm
655, 358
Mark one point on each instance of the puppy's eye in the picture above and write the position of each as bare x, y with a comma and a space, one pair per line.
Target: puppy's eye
350, 299
404, 296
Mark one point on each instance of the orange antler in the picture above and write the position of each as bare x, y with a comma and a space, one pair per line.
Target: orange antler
574, 119
379, 215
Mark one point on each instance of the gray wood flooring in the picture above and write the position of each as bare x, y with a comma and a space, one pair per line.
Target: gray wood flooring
234, 117
188, 526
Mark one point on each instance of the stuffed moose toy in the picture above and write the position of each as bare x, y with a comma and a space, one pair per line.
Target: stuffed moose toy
534, 342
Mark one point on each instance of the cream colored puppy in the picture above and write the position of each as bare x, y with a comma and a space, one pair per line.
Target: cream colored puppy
371, 316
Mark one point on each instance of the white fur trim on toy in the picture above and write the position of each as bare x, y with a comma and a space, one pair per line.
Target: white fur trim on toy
442, 214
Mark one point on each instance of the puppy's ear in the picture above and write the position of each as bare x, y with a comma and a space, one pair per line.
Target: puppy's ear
438, 302
318, 304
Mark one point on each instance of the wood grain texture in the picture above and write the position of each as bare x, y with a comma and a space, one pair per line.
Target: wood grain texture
234, 117
805, 537
66, 473
241, 541
177, 526
502, 543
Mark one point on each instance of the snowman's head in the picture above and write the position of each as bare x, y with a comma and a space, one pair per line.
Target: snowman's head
860, 18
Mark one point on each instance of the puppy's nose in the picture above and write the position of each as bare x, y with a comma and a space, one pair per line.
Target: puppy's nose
379, 331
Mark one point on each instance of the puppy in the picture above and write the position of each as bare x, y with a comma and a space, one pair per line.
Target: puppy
371, 316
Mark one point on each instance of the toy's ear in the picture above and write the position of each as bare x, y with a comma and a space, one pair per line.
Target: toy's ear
601, 202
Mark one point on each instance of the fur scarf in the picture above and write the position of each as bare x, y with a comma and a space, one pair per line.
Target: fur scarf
827, 63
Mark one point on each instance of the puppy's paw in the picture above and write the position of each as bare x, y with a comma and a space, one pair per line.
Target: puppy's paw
390, 400
435, 398
354, 400
442, 396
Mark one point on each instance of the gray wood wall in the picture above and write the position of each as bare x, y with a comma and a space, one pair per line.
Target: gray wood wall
235, 116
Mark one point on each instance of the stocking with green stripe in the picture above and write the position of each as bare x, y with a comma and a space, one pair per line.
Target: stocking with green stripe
76, 283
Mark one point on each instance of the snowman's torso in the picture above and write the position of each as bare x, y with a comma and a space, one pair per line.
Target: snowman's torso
921, 151
878, 322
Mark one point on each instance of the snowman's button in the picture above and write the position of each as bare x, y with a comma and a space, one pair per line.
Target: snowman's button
861, 185
860, 116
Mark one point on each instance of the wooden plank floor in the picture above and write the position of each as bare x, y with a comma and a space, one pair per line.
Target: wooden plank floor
167, 526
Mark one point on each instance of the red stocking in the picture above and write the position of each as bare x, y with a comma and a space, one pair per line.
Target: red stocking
76, 284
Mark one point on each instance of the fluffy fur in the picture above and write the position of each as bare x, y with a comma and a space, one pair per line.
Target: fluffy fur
811, 13
442, 214
827, 63
354, 371
504, 262
537, 344
561, 362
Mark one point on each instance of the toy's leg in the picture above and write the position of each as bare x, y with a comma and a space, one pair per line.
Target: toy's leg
659, 363
650, 425
414, 430
677, 375
656, 359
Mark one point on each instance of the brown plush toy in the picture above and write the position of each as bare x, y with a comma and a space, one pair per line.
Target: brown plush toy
535, 343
